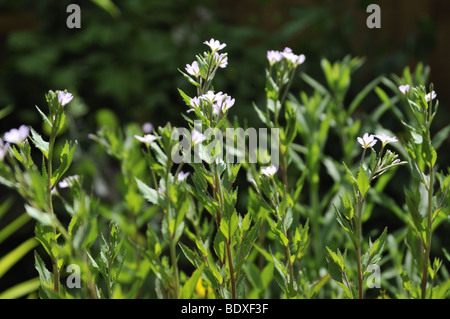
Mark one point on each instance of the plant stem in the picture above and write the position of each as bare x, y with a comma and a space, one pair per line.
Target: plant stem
358, 249
49, 193
171, 240
426, 255
230, 265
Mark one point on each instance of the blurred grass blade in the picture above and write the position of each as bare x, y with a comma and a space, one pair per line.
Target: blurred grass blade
108, 6
5, 111
21, 289
12, 227
8, 261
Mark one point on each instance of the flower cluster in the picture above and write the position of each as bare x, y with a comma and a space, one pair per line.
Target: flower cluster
368, 141
287, 54
404, 89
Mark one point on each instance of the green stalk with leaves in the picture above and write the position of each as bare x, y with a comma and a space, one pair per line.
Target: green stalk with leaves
351, 210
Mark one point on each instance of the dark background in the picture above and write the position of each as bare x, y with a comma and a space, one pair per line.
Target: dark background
125, 59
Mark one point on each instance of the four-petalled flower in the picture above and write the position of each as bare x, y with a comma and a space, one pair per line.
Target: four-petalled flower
182, 176
64, 97
146, 139
404, 89
197, 137
386, 139
430, 96
215, 45
17, 136
269, 171
367, 140
193, 69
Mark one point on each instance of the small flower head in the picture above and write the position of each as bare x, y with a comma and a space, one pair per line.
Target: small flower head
221, 60
367, 140
17, 136
3, 150
224, 103
195, 103
197, 137
404, 89
430, 96
68, 181
182, 176
274, 56
193, 69
293, 58
64, 97
215, 45
146, 139
211, 97
269, 171
386, 139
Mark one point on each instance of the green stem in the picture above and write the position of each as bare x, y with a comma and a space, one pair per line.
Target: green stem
428, 241
172, 244
50, 211
358, 249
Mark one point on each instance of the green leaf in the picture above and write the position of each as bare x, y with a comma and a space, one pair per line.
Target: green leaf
65, 158
185, 97
149, 193
42, 217
228, 226
44, 117
363, 182
188, 288
45, 276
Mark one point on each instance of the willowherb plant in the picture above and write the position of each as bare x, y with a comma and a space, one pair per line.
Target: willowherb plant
351, 211
169, 221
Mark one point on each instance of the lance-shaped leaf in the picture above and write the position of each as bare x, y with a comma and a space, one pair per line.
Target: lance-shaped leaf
65, 158
363, 182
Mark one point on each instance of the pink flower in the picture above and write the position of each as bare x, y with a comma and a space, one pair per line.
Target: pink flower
64, 97
17, 136
404, 89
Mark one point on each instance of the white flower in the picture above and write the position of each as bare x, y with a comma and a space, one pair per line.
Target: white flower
430, 96
221, 60
17, 136
3, 150
197, 137
274, 56
269, 171
68, 181
211, 97
215, 45
386, 139
224, 103
64, 97
193, 69
404, 89
195, 103
293, 58
182, 176
367, 140
147, 138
